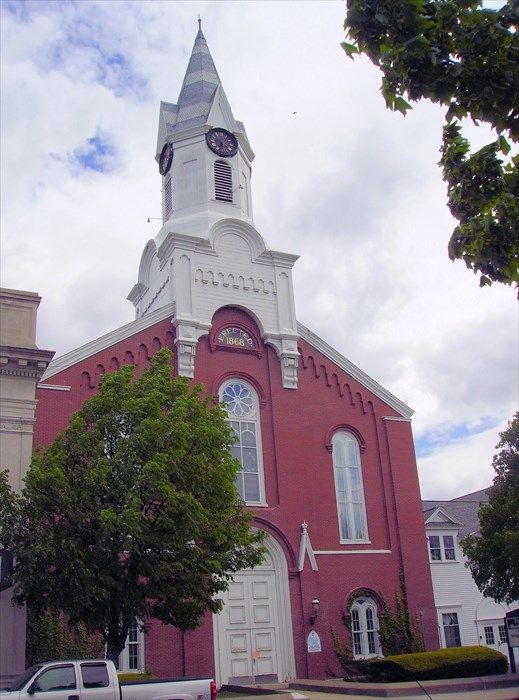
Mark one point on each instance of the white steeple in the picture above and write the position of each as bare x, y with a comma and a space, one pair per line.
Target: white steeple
208, 254
190, 196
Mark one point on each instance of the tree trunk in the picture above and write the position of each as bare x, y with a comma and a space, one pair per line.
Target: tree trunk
114, 647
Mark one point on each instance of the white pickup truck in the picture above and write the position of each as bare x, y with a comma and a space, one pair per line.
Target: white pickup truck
96, 679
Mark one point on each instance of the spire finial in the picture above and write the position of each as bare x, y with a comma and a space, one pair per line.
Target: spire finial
199, 23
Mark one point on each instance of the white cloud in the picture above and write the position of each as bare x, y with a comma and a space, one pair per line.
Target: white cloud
352, 188
463, 467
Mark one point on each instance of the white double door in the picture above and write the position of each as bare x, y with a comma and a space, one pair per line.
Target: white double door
492, 634
248, 629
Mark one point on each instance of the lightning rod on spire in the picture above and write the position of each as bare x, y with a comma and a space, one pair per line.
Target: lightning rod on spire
199, 23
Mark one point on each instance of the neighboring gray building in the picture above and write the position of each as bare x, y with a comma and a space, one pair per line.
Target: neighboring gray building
465, 615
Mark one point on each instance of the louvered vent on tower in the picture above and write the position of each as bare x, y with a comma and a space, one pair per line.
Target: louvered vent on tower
168, 198
222, 181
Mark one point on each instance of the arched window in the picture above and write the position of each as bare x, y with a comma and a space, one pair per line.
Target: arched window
364, 628
243, 408
222, 181
349, 489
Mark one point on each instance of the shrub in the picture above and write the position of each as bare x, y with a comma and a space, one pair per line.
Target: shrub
351, 668
147, 676
455, 662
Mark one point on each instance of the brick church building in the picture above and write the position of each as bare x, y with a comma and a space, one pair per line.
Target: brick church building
327, 458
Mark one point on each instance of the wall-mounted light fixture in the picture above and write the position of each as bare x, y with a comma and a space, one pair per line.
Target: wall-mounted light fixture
315, 610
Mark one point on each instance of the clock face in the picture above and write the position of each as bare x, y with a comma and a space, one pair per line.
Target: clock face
233, 337
166, 158
222, 142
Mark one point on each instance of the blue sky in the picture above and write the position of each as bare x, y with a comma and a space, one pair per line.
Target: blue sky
97, 154
352, 188
437, 437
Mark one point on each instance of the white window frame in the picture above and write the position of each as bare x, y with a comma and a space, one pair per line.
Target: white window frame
441, 536
347, 507
449, 610
490, 635
124, 656
252, 417
360, 636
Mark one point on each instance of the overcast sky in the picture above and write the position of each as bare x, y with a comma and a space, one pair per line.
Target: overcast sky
352, 188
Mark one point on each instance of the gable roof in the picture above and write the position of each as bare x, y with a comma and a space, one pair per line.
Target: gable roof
84, 351
463, 510
440, 518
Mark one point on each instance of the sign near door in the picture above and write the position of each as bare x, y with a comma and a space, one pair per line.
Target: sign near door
313, 643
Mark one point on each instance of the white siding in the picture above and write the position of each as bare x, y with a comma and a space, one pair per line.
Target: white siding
455, 590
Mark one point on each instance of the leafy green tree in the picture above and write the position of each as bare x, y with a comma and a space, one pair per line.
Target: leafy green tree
466, 57
493, 554
132, 512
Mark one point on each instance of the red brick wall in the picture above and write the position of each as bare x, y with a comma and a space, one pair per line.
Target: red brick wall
296, 428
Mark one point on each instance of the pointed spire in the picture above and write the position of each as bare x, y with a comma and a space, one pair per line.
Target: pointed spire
199, 86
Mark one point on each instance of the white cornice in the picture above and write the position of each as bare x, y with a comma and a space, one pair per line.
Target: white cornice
105, 341
354, 371
245, 146
119, 334
137, 292
184, 134
280, 258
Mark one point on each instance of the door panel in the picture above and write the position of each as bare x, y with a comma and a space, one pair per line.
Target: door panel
266, 660
250, 628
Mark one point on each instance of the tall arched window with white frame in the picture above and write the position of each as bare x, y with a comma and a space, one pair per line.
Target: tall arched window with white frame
364, 628
242, 405
351, 508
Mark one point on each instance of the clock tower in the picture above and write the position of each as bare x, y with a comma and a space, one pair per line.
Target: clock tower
208, 253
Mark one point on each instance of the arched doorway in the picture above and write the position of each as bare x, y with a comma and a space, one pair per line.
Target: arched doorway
253, 634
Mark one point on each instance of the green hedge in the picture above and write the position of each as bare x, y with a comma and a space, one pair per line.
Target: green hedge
135, 677
455, 662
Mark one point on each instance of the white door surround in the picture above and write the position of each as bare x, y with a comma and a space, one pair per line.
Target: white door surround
253, 639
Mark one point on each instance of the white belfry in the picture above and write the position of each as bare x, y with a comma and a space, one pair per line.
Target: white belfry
208, 253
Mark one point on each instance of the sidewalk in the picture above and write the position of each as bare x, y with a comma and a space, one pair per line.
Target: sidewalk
502, 687
497, 694
452, 686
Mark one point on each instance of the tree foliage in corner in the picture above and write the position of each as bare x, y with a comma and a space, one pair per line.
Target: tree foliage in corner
132, 512
465, 57
493, 554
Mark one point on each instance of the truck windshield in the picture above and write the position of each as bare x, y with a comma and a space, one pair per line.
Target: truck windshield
19, 682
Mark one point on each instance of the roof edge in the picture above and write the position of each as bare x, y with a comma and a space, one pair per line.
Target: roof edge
400, 406
105, 341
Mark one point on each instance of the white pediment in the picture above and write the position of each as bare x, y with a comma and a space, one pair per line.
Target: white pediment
440, 517
220, 113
